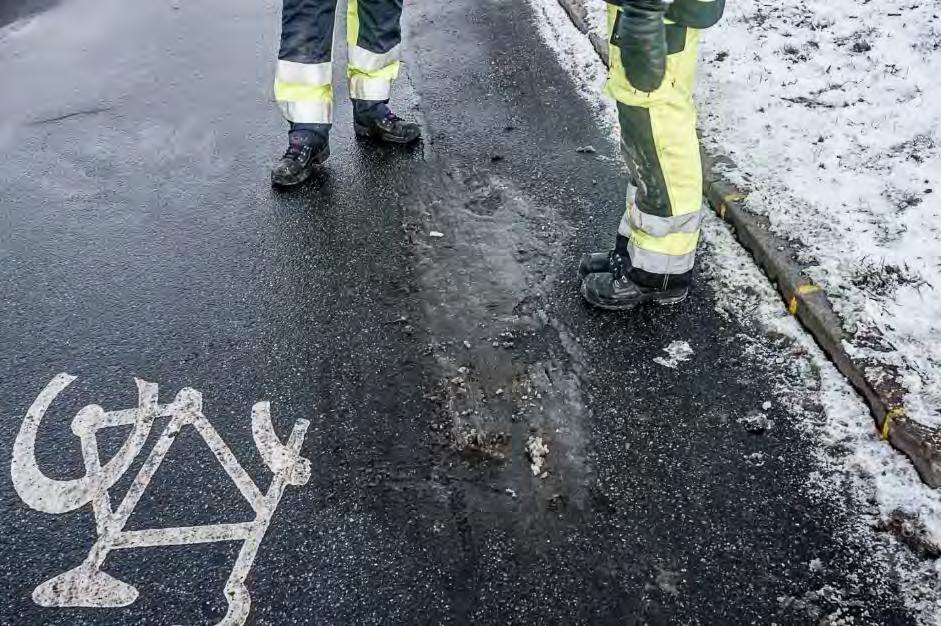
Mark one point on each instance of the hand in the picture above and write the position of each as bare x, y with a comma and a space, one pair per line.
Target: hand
640, 35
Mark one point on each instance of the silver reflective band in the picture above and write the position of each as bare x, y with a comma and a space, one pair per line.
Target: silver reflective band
304, 73
364, 88
308, 112
662, 226
363, 59
658, 263
624, 227
635, 219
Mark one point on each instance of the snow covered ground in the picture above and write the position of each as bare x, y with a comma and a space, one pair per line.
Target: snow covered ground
846, 180
831, 111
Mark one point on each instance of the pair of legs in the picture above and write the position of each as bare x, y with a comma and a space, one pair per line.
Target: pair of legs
655, 247
303, 84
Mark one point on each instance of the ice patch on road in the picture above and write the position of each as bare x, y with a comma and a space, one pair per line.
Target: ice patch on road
677, 352
489, 387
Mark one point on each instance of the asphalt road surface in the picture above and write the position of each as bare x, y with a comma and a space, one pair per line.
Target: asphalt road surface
139, 237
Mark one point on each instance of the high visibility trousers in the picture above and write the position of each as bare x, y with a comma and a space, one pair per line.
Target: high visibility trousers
303, 81
660, 227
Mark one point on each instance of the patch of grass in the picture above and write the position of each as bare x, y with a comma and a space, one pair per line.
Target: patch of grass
882, 280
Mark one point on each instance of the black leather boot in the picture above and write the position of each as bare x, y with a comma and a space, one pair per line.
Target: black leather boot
305, 152
594, 262
614, 291
374, 120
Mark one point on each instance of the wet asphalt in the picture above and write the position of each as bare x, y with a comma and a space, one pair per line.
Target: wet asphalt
139, 237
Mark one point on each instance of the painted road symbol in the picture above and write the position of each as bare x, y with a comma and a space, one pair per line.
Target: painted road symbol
86, 585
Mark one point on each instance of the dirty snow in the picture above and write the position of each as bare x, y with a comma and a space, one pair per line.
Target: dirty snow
575, 54
677, 352
756, 459
756, 422
537, 450
857, 471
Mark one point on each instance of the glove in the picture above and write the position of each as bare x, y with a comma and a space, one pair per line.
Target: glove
696, 13
640, 35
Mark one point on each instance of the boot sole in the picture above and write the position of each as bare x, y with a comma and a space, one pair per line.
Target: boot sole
318, 159
659, 301
366, 133
672, 301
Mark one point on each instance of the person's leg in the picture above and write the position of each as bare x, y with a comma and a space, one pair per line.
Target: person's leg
658, 234
374, 36
303, 80
303, 86
660, 225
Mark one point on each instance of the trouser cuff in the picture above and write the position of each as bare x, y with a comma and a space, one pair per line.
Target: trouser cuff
369, 109
308, 133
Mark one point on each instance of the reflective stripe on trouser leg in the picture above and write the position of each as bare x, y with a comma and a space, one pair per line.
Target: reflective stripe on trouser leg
661, 149
303, 79
303, 92
663, 217
374, 36
661, 245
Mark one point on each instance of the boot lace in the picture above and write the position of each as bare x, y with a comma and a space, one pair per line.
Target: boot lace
617, 265
295, 152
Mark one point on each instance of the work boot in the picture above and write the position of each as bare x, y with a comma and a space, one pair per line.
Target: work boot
595, 262
610, 261
376, 121
614, 291
306, 150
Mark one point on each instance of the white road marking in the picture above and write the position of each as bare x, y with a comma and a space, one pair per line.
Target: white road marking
86, 585
61, 496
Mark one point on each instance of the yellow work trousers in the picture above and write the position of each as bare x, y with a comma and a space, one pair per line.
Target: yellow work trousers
661, 223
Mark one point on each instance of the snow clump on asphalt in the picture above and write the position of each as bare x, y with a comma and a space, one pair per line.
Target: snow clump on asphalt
677, 352
537, 451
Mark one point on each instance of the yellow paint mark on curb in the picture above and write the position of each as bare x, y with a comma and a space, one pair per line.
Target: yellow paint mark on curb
891, 415
732, 197
802, 290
